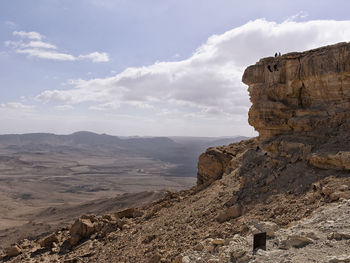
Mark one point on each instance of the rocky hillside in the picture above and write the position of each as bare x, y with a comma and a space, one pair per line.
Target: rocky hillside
293, 179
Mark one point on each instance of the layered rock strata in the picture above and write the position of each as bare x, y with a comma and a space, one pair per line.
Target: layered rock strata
307, 93
301, 105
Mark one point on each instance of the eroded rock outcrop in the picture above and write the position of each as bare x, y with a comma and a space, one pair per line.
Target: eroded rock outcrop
301, 109
217, 161
309, 92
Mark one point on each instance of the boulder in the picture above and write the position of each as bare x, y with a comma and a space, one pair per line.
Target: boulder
211, 165
48, 241
82, 228
74, 239
218, 242
230, 213
295, 241
129, 213
13, 251
270, 228
217, 161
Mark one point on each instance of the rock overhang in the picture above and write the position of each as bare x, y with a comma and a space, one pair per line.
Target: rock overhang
306, 93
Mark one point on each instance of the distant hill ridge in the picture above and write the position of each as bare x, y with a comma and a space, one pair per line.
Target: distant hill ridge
182, 151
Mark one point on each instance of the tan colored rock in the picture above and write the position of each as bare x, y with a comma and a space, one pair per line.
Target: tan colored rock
74, 239
308, 93
295, 241
230, 213
270, 228
82, 228
312, 235
217, 161
237, 253
211, 165
218, 242
48, 241
338, 259
338, 161
13, 251
108, 217
55, 248
129, 213
92, 218
335, 196
327, 190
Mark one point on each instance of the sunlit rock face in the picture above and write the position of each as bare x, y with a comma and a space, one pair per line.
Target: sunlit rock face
301, 109
304, 93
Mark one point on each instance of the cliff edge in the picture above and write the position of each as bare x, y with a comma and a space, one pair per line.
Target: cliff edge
304, 94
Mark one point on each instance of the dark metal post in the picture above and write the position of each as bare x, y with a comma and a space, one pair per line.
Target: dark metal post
259, 240
259, 237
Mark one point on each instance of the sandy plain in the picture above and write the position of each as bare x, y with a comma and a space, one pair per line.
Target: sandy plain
45, 187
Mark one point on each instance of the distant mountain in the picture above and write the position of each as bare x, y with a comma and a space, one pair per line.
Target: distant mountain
182, 151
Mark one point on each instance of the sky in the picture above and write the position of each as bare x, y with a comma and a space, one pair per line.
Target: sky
147, 68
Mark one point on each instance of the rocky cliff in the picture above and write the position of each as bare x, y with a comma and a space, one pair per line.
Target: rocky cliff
301, 105
301, 109
304, 93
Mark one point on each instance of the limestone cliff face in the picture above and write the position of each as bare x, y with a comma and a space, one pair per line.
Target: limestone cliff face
301, 106
301, 109
306, 93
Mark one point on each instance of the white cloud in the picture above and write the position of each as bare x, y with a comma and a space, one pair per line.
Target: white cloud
299, 15
15, 110
33, 46
40, 53
64, 107
15, 105
105, 106
30, 35
208, 83
13, 44
96, 57
210, 80
40, 44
